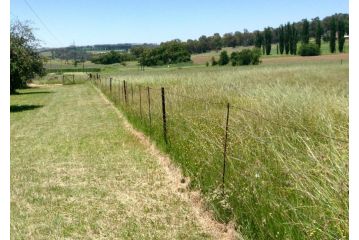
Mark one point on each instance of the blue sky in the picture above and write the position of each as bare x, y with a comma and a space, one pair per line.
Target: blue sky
88, 22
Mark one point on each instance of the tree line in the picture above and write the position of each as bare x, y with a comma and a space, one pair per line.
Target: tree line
286, 36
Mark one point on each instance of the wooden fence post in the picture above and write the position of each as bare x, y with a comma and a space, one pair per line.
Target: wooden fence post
73, 78
110, 85
63, 79
225, 148
132, 93
119, 92
164, 115
139, 89
125, 90
149, 105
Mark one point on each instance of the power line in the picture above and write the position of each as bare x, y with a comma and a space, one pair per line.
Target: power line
42, 22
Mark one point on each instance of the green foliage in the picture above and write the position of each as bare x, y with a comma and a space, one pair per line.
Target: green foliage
246, 57
332, 37
309, 49
305, 31
268, 36
318, 33
137, 51
341, 32
287, 37
25, 61
167, 53
223, 58
293, 40
281, 39
213, 61
258, 39
112, 57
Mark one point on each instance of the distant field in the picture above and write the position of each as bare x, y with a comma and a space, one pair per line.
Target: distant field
287, 165
202, 58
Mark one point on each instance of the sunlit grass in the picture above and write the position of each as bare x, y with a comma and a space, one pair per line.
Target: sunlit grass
287, 165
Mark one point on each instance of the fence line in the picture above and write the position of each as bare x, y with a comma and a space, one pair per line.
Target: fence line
211, 102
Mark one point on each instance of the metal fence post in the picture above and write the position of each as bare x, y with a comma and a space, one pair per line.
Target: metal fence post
225, 148
149, 105
164, 114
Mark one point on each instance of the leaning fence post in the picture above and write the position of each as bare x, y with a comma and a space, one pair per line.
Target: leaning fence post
164, 114
225, 148
110, 85
125, 90
139, 89
149, 105
132, 93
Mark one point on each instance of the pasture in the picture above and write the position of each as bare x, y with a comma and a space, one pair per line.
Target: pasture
78, 173
286, 154
202, 58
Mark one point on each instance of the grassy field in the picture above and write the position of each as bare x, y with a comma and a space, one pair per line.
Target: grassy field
287, 154
77, 173
202, 58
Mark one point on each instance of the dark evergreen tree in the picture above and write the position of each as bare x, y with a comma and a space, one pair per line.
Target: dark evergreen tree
341, 32
268, 36
287, 36
294, 40
332, 37
281, 39
305, 31
318, 33
258, 39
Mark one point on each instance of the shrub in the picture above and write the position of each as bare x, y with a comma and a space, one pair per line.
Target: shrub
112, 57
309, 49
213, 62
256, 55
246, 57
223, 58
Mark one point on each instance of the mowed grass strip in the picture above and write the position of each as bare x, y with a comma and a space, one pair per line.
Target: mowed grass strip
77, 173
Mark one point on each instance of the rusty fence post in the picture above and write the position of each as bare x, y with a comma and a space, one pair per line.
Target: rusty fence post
149, 105
225, 149
164, 120
139, 89
125, 90
110, 85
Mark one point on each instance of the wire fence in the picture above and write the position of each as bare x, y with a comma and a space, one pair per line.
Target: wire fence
221, 145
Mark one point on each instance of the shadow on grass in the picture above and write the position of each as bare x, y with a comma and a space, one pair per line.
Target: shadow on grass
20, 108
40, 92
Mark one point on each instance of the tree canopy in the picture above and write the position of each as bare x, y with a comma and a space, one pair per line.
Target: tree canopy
25, 61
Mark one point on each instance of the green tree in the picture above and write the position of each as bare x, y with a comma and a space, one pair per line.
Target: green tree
305, 31
281, 39
229, 40
318, 33
341, 32
223, 58
293, 40
258, 39
25, 61
332, 37
268, 39
287, 37
216, 42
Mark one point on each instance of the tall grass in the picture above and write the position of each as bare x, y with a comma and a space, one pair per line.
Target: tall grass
287, 168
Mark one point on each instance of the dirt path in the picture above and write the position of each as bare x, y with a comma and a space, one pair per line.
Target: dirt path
178, 185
